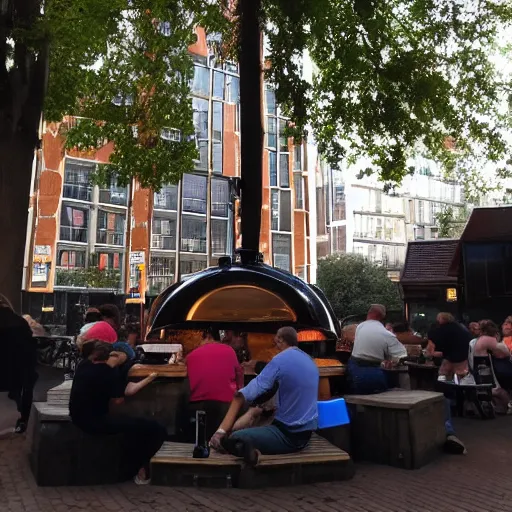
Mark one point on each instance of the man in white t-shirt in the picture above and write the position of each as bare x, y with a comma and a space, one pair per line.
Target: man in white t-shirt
373, 342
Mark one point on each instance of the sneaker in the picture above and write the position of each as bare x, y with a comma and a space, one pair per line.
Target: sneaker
454, 446
467, 380
139, 481
21, 427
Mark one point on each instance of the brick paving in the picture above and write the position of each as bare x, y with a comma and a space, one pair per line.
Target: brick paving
481, 481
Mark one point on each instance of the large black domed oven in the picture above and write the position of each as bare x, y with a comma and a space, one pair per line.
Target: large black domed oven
246, 296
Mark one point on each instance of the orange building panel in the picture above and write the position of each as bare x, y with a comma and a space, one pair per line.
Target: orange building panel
265, 225
50, 186
46, 232
53, 148
231, 143
199, 47
299, 238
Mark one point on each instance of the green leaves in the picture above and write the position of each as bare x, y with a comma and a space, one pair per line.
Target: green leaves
389, 78
124, 69
393, 78
352, 284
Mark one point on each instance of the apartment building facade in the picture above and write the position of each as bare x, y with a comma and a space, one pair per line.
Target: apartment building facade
359, 216
86, 242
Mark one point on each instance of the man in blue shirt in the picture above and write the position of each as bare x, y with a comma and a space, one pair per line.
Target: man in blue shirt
296, 375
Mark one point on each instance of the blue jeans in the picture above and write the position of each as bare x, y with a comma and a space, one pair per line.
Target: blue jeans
450, 431
272, 439
366, 380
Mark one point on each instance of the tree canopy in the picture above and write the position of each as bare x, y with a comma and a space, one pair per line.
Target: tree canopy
452, 222
389, 77
352, 284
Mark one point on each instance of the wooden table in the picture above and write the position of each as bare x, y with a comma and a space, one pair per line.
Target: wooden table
422, 376
180, 371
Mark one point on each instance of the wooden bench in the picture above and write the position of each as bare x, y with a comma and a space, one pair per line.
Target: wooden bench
399, 428
61, 454
320, 461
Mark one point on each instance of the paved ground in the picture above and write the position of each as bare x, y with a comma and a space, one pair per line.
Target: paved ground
481, 481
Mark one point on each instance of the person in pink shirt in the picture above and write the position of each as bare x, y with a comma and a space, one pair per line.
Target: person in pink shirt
215, 375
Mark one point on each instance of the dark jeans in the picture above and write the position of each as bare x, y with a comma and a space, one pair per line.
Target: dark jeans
215, 412
142, 438
24, 397
273, 439
366, 379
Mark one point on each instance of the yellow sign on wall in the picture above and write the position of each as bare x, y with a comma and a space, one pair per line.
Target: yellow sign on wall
451, 294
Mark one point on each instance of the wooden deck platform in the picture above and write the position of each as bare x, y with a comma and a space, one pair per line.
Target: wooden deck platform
320, 461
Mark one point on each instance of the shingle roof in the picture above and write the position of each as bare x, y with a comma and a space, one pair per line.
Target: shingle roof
428, 261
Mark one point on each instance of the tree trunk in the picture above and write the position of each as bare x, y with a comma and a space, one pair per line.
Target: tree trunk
16, 158
251, 125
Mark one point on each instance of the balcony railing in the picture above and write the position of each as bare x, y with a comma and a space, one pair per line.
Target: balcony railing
193, 245
81, 192
73, 234
106, 237
165, 242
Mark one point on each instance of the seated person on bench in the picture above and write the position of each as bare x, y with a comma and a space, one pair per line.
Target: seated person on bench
296, 418
373, 346
96, 386
215, 375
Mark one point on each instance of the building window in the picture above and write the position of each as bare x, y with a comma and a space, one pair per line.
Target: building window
217, 136
281, 251
220, 197
281, 210
200, 117
109, 260
70, 268
283, 139
113, 194
110, 228
275, 209
194, 193
298, 185
190, 266
232, 89
171, 134
284, 170
297, 158
272, 167
193, 234
419, 233
73, 224
270, 98
70, 259
338, 202
339, 239
421, 208
285, 210
161, 273
271, 132
219, 236
218, 84
201, 82
163, 234
77, 180
167, 198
